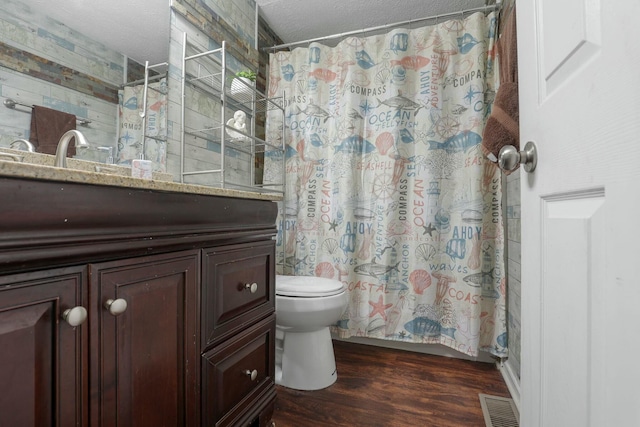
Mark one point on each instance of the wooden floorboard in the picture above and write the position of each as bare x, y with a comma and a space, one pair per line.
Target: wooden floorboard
393, 388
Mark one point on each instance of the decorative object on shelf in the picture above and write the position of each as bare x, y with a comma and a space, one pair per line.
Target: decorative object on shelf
242, 83
239, 122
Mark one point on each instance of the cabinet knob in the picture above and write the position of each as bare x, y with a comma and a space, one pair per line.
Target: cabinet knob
75, 316
116, 306
251, 287
252, 374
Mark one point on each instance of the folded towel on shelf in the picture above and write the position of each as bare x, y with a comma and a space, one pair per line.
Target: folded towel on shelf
503, 126
47, 126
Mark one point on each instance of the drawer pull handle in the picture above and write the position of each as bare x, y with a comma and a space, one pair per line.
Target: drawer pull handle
252, 374
251, 287
75, 316
116, 306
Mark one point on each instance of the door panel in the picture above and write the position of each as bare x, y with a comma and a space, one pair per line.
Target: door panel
148, 353
41, 362
580, 268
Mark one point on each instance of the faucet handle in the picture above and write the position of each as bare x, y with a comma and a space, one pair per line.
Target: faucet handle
109, 160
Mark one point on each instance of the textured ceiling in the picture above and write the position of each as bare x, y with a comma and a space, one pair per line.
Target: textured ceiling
297, 20
140, 28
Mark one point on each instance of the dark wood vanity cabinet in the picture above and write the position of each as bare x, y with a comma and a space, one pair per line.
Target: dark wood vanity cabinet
172, 296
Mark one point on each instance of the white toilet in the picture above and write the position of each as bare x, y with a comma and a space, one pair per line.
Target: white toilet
305, 308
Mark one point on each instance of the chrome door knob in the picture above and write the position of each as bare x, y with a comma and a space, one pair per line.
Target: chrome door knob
251, 374
509, 158
251, 287
116, 306
75, 316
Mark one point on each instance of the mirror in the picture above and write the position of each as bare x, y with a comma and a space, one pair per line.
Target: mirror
74, 56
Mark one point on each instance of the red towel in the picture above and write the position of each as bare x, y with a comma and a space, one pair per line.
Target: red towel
47, 126
503, 126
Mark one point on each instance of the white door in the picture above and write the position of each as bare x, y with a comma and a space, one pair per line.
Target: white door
579, 74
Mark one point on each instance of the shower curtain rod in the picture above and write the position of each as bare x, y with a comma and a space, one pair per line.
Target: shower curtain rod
488, 8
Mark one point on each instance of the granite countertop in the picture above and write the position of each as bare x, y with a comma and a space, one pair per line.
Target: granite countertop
110, 175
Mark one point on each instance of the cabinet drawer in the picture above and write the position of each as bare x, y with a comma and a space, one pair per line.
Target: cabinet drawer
238, 288
228, 390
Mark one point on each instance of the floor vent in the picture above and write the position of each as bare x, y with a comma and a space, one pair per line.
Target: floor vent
499, 411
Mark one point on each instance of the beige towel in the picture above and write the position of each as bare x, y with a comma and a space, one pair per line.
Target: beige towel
47, 126
503, 126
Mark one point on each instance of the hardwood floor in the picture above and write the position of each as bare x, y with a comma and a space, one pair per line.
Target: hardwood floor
393, 388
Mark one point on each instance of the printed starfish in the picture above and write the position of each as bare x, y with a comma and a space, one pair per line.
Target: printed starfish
471, 93
428, 229
366, 107
126, 138
332, 225
380, 308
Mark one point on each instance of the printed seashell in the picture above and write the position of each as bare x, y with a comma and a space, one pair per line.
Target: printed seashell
384, 142
382, 76
421, 280
325, 269
425, 252
301, 85
360, 78
329, 246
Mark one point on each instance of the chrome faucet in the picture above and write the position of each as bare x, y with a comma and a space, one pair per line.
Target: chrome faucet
16, 145
63, 144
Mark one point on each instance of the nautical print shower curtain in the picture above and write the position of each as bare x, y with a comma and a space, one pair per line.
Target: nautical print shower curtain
386, 187
130, 124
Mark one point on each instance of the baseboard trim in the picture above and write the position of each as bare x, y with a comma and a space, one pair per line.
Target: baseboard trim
511, 380
434, 349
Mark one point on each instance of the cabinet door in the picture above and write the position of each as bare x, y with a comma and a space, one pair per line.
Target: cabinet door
42, 357
146, 362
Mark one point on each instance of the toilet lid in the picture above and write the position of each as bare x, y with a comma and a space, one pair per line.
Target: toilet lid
307, 286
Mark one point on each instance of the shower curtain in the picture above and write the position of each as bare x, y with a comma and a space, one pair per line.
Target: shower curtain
130, 124
386, 186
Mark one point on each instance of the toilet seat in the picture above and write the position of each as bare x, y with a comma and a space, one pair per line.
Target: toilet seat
307, 286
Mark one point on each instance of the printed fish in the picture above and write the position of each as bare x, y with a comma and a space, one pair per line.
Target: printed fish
132, 103
405, 136
354, 115
315, 140
289, 152
462, 141
293, 261
287, 72
361, 213
323, 74
374, 269
364, 60
315, 111
478, 279
156, 106
400, 103
458, 109
466, 43
355, 144
399, 41
423, 326
412, 62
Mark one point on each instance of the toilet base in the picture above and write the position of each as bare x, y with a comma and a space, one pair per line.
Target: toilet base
305, 360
